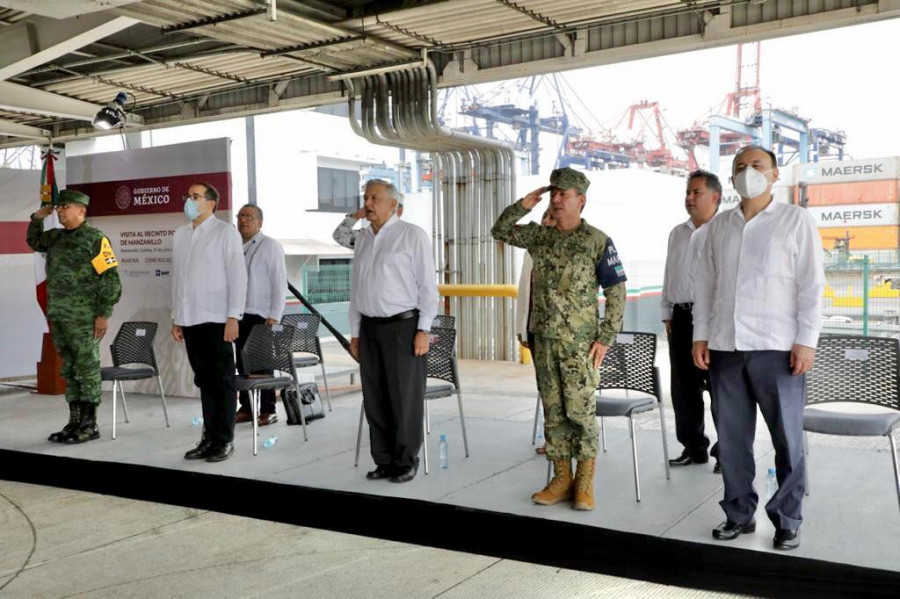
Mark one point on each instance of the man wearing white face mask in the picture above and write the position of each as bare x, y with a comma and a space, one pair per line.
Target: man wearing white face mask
209, 290
757, 317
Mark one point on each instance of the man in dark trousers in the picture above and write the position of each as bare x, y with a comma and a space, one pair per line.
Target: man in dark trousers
209, 290
686, 243
266, 290
393, 303
757, 317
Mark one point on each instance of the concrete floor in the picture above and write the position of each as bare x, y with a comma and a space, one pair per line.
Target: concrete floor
851, 517
62, 543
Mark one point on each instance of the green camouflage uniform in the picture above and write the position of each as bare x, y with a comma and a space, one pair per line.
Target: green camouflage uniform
568, 269
76, 294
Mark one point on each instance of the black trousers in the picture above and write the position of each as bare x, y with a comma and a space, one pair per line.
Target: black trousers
266, 397
688, 384
393, 385
212, 360
742, 381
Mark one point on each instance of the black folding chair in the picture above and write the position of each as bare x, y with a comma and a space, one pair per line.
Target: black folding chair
630, 365
269, 347
442, 365
306, 341
133, 344
444, 321
855, 370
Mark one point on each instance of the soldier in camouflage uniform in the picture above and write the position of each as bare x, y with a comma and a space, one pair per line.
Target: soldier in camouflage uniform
82, 287
571, 260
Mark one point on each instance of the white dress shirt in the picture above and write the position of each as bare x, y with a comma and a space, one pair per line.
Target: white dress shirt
523, 300
393, 272
759, 284
210, 278
685, 246
266, 277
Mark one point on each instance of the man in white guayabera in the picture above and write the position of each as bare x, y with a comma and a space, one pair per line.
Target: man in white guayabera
757, 316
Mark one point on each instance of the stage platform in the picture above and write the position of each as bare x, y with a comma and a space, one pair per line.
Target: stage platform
481, 504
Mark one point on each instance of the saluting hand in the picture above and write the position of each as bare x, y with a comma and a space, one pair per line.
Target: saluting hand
533, 198
44, 212
420, 344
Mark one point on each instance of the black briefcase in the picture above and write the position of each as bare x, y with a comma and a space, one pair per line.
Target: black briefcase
309, 401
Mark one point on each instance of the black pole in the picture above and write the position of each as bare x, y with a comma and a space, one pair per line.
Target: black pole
337, 334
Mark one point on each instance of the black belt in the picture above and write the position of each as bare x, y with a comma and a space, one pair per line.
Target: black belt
687, 306
401, 316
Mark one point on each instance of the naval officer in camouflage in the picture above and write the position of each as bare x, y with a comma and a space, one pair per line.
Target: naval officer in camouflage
82, 287
571, 260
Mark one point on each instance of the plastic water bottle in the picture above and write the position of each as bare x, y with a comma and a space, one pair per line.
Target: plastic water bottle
197, 421
270, 442
445, 459
771, 483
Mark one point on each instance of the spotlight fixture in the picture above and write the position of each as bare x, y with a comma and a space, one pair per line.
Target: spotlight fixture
113, 114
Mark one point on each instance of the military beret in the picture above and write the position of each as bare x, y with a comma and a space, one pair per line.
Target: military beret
70, 196
567, 178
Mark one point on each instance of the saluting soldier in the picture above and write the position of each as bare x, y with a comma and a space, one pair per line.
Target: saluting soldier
82, 287
571, 261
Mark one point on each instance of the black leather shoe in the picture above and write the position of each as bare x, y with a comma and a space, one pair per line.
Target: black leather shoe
717, 469
199, 452
220, 453
728, 530
404, 475
786, 539
687, 459
381, 471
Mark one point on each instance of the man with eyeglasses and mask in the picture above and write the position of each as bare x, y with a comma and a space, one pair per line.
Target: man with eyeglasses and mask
83, 285
266, 290
209, 292
757, 316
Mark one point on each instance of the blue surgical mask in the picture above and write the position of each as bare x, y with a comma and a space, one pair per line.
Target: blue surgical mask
191, 209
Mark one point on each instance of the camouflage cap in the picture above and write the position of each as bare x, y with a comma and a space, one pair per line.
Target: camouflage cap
567, 178
70, 196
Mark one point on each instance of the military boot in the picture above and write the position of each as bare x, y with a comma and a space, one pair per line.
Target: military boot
584, 485
560, 488
87, 430
74, 421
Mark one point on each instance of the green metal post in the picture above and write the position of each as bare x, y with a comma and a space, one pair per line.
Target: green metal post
865, 314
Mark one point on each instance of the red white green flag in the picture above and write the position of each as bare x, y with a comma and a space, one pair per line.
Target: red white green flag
48, 193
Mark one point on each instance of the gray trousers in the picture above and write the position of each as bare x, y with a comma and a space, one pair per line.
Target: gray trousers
741, 381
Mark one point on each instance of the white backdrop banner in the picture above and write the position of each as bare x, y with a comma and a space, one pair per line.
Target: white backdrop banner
136, 200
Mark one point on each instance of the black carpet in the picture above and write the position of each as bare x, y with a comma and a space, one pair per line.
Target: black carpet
534, 540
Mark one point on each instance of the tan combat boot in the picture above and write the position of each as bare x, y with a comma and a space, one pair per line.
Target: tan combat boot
584, 485
558, 489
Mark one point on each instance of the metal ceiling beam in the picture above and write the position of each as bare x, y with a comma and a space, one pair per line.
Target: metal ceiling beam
19, 130
39, 40
531, 14
19, 98
213, 20
312, 46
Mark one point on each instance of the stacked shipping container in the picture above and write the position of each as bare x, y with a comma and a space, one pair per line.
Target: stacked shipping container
855, 198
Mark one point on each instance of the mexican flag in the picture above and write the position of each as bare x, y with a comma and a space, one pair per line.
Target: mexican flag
48, 194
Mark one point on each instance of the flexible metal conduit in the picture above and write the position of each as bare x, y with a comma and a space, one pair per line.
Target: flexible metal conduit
477, 181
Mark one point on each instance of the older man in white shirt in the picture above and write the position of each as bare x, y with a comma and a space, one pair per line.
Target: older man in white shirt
757, 317
686, 242
208, 295
266, 291
393, 303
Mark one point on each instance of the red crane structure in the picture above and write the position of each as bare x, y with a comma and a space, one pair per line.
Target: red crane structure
650, 120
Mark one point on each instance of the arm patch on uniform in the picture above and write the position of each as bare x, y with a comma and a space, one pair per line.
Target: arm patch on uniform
610, 270
106, 259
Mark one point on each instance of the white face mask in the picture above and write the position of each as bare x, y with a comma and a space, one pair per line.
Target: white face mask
750, 183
